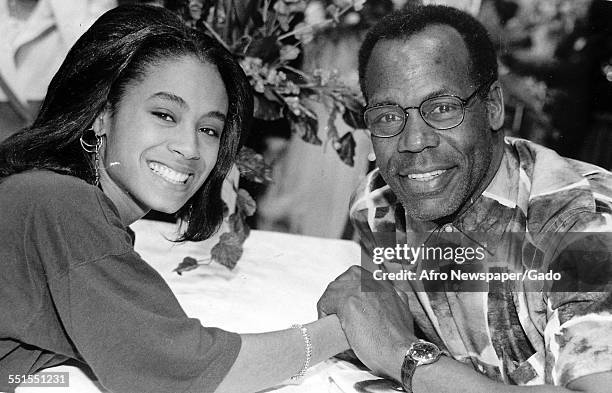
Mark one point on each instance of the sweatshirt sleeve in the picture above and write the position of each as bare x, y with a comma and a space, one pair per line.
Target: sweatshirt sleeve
119, 313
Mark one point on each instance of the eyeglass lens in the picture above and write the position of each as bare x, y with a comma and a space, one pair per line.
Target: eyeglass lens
439, 112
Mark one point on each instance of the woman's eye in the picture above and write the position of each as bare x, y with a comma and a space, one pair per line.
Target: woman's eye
209, 131
163, 116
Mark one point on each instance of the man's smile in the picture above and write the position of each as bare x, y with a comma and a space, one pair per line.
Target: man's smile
428, 182
425, 176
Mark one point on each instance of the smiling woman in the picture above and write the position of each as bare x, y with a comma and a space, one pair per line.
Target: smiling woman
163, 137
143, 114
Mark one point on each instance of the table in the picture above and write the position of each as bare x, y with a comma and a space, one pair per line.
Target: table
276, 283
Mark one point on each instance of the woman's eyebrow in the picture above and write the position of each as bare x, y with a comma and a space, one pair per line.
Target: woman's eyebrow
216, 115
171, 97
183, 104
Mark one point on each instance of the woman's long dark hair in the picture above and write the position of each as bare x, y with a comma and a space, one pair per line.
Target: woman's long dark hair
109, 58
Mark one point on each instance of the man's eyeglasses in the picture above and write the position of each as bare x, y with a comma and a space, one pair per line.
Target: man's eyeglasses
442, 113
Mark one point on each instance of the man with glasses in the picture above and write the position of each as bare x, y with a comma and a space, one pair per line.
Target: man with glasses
435, 113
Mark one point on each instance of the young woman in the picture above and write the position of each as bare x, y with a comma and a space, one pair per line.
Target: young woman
143, 114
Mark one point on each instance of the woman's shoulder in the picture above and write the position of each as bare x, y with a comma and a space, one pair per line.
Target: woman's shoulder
62, 213
48, 190
45, 180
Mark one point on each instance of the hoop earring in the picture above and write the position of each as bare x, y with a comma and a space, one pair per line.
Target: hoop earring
95, 150
88, 147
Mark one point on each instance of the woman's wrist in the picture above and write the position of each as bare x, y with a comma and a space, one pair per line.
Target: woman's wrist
328, 338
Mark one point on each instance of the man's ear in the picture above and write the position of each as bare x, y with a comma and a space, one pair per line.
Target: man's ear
495, 106
102, 122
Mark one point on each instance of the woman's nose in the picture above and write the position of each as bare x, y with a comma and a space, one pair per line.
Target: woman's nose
186, 144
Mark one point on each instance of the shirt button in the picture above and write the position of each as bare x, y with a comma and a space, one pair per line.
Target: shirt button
448, 228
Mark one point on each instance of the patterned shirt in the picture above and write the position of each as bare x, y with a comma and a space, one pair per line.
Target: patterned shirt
514, 334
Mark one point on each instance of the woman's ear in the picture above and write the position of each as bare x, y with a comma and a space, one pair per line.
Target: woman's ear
102, 123
495, 106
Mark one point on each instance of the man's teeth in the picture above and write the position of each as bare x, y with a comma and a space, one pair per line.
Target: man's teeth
426, 176
169, 174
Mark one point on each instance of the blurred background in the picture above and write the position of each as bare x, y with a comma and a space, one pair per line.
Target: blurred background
307, 151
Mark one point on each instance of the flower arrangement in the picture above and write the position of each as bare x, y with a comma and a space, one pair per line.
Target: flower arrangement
267, 36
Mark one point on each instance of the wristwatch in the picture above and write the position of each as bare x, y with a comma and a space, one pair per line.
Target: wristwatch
420, 352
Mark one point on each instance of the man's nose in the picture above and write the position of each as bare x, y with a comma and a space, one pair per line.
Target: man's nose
417, 135
185, 143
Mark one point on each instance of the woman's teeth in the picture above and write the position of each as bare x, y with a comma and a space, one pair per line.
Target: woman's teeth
426, 176
168, 174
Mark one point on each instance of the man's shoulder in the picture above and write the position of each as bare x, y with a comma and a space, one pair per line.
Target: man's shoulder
599, 179
373, 203
560, 189
550, 169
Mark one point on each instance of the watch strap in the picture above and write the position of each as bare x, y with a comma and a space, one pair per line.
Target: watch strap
408, 367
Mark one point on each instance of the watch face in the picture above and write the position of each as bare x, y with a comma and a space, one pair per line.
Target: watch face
424, 352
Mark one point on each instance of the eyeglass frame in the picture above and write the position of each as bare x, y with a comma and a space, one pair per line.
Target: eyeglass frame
464, 104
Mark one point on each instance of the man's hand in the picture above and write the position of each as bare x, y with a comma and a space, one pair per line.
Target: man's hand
376, 320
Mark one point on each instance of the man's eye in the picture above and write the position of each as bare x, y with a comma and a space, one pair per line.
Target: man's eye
389, 118
209, 131
163, 116
445, 108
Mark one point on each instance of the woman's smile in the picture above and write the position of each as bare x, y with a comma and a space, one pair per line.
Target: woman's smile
169, 174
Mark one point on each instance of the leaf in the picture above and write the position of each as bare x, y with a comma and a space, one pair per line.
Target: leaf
245, 10
307, 111
253, 167
332, 131
188, 263
271, 95
242, 44
333, 11
353, 119
228, 251
358, 4
266, 48
345, 147
343, 3
304, 32
225, 209
239, 226
245, 202
289, 52
306, 127
266, 109
257, 19
352, 101
296, 6
352, 115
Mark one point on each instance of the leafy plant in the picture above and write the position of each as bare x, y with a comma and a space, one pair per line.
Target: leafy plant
267, 36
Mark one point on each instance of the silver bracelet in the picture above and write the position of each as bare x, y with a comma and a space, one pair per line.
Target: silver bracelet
308, 351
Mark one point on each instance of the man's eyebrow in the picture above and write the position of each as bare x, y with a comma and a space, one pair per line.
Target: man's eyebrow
436, 93
171, 97
439, 92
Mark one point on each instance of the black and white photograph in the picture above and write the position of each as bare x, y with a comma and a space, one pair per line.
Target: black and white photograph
305, 196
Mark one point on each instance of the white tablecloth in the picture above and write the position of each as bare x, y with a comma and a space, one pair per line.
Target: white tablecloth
276, 283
